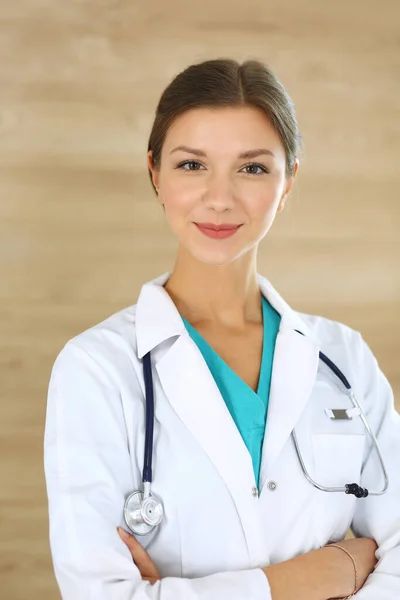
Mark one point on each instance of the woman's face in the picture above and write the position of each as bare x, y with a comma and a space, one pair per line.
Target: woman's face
209, 183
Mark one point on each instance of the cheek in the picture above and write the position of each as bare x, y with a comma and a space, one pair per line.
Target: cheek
179, 184
259, 202
261, 208
179, 208
180, 199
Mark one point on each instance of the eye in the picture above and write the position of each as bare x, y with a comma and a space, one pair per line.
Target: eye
250, 165
188, 162
257, 166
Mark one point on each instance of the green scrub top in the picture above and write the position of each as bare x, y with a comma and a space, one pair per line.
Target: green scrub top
247, 408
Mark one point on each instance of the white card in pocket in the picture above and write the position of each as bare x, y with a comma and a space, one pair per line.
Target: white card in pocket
342, 413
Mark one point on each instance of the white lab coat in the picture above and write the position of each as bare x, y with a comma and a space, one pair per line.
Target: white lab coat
216, 533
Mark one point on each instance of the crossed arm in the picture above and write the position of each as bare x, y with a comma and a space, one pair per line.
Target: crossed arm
329, 570
83, 445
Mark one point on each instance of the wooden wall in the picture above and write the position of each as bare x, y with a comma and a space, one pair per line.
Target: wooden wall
80, 227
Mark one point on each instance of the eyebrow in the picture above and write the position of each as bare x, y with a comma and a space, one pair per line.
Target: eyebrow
248, 154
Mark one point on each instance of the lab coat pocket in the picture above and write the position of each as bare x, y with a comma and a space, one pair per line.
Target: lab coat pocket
338, 460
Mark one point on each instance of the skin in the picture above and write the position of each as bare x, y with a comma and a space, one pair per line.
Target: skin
214, 282
140, 556
334, 573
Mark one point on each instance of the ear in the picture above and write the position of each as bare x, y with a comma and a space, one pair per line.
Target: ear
154, 173
288, 186
282, 203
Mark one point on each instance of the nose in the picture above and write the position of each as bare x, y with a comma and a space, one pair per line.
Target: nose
219, 191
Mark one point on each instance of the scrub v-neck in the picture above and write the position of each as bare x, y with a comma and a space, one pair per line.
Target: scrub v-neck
248, 408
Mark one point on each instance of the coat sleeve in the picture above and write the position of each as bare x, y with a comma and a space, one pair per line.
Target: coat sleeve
87, 467
378, 517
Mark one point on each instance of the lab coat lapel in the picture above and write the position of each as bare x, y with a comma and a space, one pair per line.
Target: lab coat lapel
294, 371
194, 395
190, 388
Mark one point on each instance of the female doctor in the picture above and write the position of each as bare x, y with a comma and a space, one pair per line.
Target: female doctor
254, 436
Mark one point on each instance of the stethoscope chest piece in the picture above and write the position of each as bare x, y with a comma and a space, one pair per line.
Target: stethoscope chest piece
141, 514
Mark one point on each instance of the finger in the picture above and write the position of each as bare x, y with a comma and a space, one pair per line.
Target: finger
142, 559
152, 580
134, 546
139, 554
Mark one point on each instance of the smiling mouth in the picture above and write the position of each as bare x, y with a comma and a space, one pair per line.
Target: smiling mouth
217, 234
223, 227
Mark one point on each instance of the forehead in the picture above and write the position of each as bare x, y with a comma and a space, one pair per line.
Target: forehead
241, 128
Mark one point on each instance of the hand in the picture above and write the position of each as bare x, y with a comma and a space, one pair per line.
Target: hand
141, 557
363, 552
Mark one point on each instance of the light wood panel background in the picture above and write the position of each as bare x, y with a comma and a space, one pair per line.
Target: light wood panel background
80, 228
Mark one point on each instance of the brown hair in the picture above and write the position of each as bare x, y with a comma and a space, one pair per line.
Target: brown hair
220, 83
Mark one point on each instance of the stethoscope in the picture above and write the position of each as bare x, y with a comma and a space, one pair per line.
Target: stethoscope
143, 511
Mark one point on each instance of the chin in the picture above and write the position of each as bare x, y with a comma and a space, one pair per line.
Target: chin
213, 258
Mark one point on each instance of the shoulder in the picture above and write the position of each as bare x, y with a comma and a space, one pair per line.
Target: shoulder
338, 341
331, 333
108, 347
347, 348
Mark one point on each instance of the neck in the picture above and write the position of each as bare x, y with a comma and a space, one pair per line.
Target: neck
216, 295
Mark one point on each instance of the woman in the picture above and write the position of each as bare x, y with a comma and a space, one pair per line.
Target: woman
235, 370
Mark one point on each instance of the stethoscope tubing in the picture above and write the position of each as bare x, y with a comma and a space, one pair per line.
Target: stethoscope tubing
148, 445
353, 488
367, 426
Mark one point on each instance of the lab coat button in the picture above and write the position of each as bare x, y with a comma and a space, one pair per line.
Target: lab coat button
272, 486
254, 491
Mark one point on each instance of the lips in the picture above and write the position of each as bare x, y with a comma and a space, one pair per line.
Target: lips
223, 227
218, 234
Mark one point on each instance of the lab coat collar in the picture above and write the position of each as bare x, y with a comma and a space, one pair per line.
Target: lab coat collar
183, 375
158, 319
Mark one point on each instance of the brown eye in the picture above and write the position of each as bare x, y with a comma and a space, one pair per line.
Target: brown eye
256, 166
188, 162
196, 164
